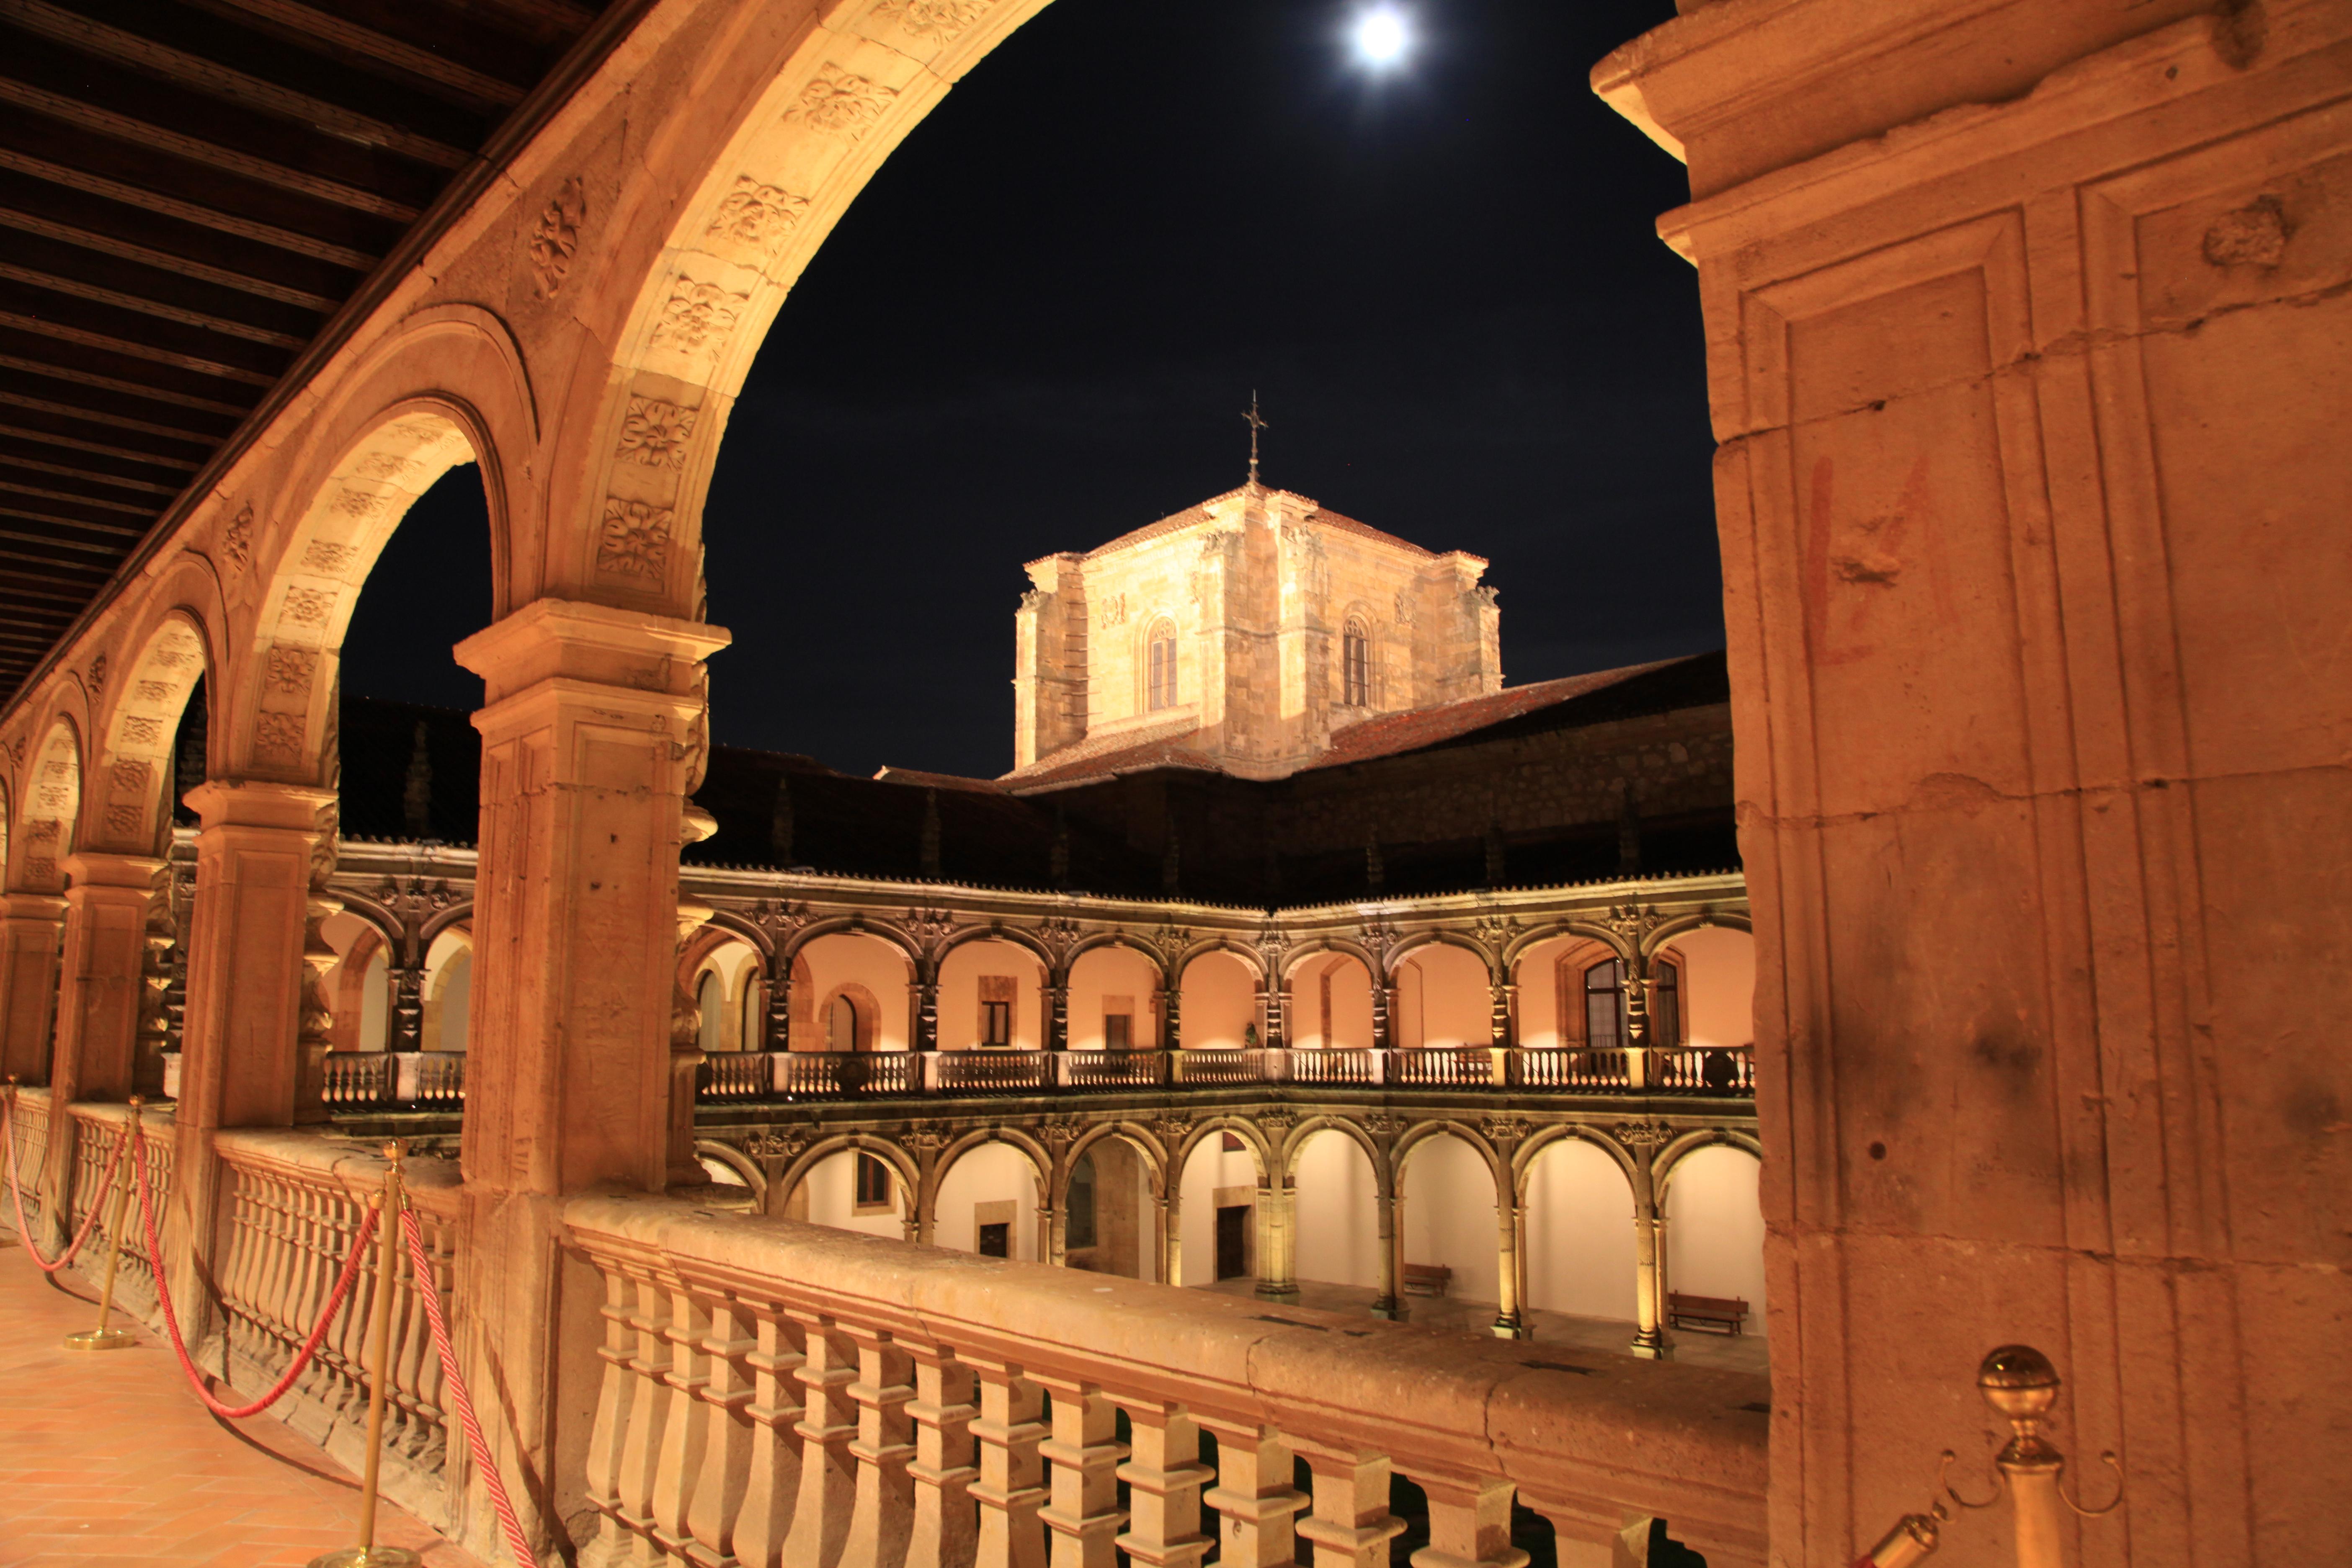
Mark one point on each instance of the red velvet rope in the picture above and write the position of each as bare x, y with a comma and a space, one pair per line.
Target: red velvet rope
97, 1204
171, 1321
421, 1262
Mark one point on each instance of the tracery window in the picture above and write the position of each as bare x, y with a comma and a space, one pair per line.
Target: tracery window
1356, 666
1160, 666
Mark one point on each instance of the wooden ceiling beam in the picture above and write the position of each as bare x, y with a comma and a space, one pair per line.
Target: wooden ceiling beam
71, 334
116, 383
162, 260
365, 44
186, 211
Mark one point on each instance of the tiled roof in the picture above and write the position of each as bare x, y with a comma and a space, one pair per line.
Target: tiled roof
1417, 728
917, 777
1174, 752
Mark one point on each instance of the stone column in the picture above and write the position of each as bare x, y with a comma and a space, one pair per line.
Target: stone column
32, 930
1172, 1231
102, 984
1383, 1010
778, 1034
1277, 1013
684, 1167
1172, 1022
1276, 1270
1507, 1323
1651, 1340
240, 1060
1057, 1017
588, 737
1390, 1302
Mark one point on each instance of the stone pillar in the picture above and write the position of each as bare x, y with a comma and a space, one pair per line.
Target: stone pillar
315, 1033
1172, 1231
1383, 1010
1172, 1022
1276, 1211
240, 1058
102, 984
1277, 1012
588, 737
778, 1034
1057, 1017
1390, 1302
684, 1167
926, 1012
32, 930
1651, 1340
1507, 1323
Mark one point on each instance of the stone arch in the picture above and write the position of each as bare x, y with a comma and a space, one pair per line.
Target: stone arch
1132, 1133
1519, 946
1421, 1132
903, 1169
856, 925
863, 1005
779, 125
1662, 1166
1247, 1132
1320, 946
168, 652
1682, 925
442, 919
1354, 1131
740, 1163
49, 810
1250, 957
1560, 983
996, 932
748, 930
1103, 940
1438, 936
1523, 1158
1041, 1165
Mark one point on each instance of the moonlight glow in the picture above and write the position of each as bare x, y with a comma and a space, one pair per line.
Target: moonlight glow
1381, 36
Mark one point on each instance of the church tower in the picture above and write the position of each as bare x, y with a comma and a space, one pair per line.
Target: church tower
1244, 631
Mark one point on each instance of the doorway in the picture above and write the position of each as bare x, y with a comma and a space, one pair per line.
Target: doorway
996, 1240
1232, 1241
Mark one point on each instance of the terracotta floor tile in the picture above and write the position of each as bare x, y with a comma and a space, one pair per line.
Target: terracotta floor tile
108, 1461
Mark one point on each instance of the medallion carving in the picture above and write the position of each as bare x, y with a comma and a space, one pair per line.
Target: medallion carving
237, 541
654, 434
941, 19
278, 737
756, 214
1643, 1134
324, 555
290, 670
696, 316
637, 539
843, 102
555, 237
310, 606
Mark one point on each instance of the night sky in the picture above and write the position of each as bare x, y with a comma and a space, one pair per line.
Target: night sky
1038, 327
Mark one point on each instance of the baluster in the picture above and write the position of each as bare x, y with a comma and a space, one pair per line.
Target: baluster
1351, 1527
416, 1423
311, 1220
685, 1326
884, 1509
438, 1247
1254, 1494
616, 1396
1469, 1525
942, 1535
1084, 1512
773, 1482
828, 1474
1008, 1491
720, 1483
648, 1414
1163, 1486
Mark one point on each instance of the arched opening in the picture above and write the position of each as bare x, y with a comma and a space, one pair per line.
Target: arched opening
359, 984
52, 812
1715, 1228
1111, 1221
1580, 1232
1219, 1210
851, 1189
1114, 1001
991, 996
722, 986
710, 1005
988, 1203
1331, 1004
1337, 1212
856, 987
1449, 1216
1552, 991
1159, 665
147, 736
1219, 1003
1355, 665
1718, 986
1443, 998
447, 990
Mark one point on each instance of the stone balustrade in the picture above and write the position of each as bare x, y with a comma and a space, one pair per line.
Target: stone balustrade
95, 1130
780, 1393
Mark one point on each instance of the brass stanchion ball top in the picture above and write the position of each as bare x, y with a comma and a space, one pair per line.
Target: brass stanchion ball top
2018, 1381
392, 1148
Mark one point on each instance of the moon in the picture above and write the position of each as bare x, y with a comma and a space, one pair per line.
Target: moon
1383, 36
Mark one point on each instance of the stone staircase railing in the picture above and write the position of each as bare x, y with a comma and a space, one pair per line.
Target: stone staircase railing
775, 1392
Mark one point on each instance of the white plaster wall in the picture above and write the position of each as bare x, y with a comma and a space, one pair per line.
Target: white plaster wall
1456, 1004
1580, 1232
842, 958
1715, 1228
960, 974
451, 993
1449, 1215
832, 1186
1412, 990
1351, 1005
1112, 971
990, 1172
1208, 1168
1719, 986
1219, 1001
1537, 976
1338, 1215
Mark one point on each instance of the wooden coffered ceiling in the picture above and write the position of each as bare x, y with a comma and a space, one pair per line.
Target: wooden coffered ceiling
198, 198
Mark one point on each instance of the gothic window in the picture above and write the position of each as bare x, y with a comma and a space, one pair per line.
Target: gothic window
1605, 1005
1160, 666
1666, 1004
1356, 666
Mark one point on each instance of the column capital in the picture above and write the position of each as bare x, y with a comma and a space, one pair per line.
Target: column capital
565, 640
258, 803
102, 868
50, 907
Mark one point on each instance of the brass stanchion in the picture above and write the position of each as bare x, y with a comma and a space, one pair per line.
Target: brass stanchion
102, 1338
367, 1554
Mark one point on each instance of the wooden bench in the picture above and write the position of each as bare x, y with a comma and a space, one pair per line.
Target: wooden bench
1427, 1279
1713, 1313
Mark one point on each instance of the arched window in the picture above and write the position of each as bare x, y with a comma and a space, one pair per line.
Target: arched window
1605, 1005
1356, 666
1160, 660
710, 1001
1667, 1002
841, 1028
